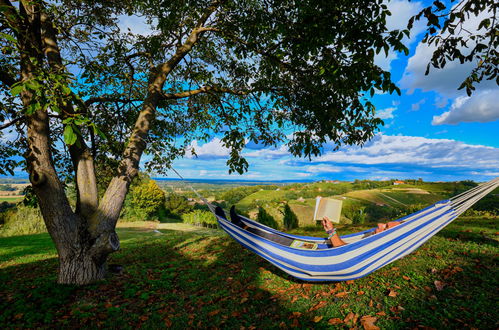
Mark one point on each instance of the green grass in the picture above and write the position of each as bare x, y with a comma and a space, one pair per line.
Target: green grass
10, 199
193, 277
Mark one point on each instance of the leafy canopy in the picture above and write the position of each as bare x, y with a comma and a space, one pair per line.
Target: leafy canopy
262, 71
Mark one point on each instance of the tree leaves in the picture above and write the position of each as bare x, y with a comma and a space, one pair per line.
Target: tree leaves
444, 27
69, 135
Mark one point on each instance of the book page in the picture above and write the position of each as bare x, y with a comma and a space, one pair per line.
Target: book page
328, 207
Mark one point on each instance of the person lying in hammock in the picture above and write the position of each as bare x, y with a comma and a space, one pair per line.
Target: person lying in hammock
337, 241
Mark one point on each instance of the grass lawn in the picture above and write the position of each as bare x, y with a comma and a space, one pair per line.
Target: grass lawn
10, 199
191, 277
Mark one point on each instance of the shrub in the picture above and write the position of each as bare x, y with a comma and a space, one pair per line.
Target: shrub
200, 218
290, 219
266, 219
176, 205
22, 220
143, 202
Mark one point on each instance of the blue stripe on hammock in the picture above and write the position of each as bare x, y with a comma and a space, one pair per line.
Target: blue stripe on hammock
343, 276
327, 268
310, 238
336, 251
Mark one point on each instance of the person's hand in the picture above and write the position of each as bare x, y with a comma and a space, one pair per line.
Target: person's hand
327, 224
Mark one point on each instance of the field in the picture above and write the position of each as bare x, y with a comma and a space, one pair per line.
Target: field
186, 276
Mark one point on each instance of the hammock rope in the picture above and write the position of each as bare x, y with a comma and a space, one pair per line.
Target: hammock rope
362, 255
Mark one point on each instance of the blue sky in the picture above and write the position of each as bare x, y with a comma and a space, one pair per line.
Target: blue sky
432, 131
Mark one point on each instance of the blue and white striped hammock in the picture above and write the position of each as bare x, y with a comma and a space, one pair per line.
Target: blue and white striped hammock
362, 255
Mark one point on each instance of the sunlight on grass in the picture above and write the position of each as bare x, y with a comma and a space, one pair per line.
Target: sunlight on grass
189, 276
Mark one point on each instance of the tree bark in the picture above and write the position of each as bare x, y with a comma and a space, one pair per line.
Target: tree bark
82, 258
84, 238
87, 197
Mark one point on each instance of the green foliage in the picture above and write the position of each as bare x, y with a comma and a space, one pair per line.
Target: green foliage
200, 218
30, 198
306, 65
144, 201
22, 220
445, 23
266, 219
176, 205
290, 219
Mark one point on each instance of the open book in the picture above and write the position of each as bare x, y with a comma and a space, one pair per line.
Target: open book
304, 245
327, 207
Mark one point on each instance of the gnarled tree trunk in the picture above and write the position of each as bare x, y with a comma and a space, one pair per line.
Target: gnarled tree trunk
84, 238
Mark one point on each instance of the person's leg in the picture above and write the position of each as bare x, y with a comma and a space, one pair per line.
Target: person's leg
392, 224
380, 228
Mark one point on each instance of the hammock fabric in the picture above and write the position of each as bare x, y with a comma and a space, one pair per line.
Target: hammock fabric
364, 253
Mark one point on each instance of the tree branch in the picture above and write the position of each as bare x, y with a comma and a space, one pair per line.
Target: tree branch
103, 99
83, 162
4, 126
11, 15
205, 89
6, 78
104, 220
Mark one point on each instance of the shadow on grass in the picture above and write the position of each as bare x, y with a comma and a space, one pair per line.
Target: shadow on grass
179, 280
184, 280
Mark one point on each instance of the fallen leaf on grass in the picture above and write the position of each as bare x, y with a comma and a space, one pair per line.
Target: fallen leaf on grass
317, 306
397, 309
351, 317
407, 278
294, 299
244, 300
168, 322
368, 322
317, 319
341, 294
360, 293
335, 320
439, 285
392, 293
295, 315
349, 282
382, 313
213, 313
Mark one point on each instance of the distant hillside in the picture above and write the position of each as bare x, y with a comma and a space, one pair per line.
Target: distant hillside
382, 202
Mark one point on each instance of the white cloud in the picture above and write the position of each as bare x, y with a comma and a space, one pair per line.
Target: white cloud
269, 153
417, 151
480, 107
210, 150
385, 113
134, 24
402, 11
323, 168
444, 81
384, 61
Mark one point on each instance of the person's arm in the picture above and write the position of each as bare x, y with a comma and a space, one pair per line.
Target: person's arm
332, 234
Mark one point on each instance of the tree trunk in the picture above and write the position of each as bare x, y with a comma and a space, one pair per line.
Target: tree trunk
80, 268
83, 260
